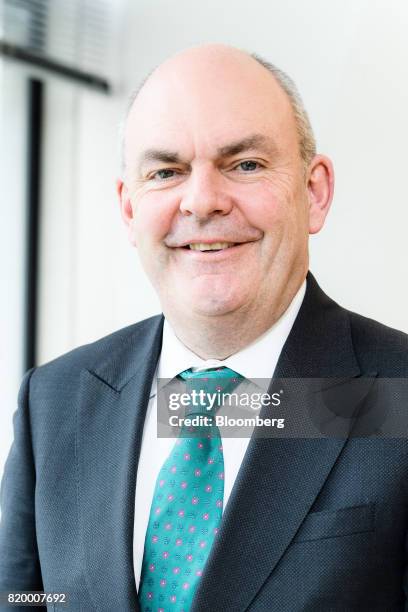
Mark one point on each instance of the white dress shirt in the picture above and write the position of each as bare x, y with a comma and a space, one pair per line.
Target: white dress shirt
256, 361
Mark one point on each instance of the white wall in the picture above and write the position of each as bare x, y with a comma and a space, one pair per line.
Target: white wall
348, 58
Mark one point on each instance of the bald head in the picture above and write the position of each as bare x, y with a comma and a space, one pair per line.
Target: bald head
208, 67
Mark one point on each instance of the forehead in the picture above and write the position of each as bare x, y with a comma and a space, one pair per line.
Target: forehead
197, 106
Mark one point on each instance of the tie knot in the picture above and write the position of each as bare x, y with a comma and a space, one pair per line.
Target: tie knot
207, 387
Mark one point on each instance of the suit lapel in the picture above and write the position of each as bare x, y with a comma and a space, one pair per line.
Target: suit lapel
279, 479
114, 397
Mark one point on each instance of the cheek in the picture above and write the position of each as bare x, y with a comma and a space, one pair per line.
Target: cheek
279, 204
153, 214
262, 207
279, 213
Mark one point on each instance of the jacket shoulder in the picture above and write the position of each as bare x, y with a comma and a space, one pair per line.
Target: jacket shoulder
379, 347
89, 355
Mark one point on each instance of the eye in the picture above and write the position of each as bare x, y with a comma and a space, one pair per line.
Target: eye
248, 165
165, 173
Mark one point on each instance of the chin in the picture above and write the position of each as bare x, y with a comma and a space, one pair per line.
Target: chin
212, 297
211, 305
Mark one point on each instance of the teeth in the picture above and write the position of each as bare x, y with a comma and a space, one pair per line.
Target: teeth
200, 246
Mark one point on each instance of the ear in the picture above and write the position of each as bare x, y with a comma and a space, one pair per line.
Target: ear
320, 187
126, 209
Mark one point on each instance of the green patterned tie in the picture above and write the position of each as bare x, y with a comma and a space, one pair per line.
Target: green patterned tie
187, 505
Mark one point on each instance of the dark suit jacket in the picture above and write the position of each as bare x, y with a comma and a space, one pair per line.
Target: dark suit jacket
312, 524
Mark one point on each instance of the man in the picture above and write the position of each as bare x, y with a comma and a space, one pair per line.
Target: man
221, 188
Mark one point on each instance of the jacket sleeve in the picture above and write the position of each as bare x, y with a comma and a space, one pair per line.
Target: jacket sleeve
19, 562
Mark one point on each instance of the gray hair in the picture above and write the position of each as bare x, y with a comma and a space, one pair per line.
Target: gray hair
307, 142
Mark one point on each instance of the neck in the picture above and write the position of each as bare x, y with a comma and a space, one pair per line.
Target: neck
216, 337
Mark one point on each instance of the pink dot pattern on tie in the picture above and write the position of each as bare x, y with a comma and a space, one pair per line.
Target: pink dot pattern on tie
185, 519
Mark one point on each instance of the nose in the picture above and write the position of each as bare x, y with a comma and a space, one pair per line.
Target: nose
204, 196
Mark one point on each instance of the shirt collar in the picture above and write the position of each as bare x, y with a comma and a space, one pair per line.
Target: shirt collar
256, 361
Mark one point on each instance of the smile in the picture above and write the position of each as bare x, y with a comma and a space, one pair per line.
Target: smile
214, 246
214, 251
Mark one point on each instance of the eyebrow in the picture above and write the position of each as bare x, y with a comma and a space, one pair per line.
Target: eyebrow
254, 141
161, 155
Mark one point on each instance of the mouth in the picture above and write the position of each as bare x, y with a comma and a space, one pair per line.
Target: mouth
213, 251
206, 247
